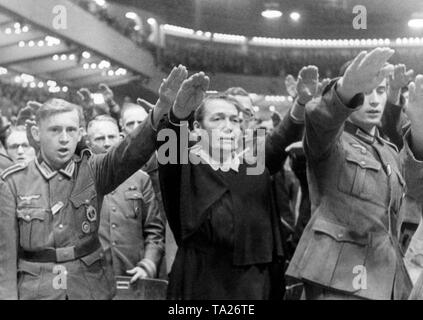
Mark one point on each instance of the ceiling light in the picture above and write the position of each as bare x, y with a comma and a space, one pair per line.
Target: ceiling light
86, 55
101, 3
295, 16
271, 10
415, 23
131, 15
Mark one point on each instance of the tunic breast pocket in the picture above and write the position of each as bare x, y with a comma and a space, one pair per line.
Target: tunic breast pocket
86, 215
361, 177
134, 199
33, 228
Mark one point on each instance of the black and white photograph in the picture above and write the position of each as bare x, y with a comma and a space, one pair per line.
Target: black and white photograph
211, 154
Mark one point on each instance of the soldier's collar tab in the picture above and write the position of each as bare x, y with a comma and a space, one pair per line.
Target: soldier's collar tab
48, 173
362, 134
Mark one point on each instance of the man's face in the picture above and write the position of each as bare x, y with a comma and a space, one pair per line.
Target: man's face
103, 135
58, 136
222, 123
370, 114
18, 147
249, 116
132, 118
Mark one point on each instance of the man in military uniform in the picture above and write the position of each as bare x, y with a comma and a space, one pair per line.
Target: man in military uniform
131, 228
350, 247
49, 244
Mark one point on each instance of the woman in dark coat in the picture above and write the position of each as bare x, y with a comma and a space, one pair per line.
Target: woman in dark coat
218, 202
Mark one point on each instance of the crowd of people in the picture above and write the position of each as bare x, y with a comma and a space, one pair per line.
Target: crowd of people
319, 203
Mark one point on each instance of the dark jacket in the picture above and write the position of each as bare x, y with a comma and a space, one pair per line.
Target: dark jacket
222, 225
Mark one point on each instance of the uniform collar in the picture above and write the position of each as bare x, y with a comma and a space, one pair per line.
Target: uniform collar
231, 164
361, 134
48, 173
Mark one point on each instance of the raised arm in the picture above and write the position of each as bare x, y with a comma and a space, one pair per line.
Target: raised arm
291, 128
114, 167
325, 118
188, 98
394, 118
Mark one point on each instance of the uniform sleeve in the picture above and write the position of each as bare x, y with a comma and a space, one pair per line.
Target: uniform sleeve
324, 121
413, 170
8, 244
123, 160
393, 122
153, 229
286, 132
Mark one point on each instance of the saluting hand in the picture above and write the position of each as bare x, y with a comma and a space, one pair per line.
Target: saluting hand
106, 92
365, 73
400, 78
171, 85
307, 84
414, 112
85, 96
291, 85
190, 95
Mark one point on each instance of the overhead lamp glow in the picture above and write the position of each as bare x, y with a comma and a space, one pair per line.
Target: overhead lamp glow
151, 21
415, 23
271, 14
8, 31
86, 55
101, 3
25, 29
21, 44
295, 16
131, 15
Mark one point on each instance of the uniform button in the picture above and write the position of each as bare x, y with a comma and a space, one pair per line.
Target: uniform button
27, 217
60, 178
363, 163
87, 201
113, 226
114, 209
101, 255
114, 243
137, 209
340, 235
113, 192
60, 226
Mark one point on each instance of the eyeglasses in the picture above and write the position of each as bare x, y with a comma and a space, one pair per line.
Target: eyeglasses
16, 146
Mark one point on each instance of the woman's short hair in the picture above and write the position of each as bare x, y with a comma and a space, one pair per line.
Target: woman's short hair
199, 113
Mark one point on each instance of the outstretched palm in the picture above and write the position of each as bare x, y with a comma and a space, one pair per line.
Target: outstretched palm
170, 86
191, 95
307, 84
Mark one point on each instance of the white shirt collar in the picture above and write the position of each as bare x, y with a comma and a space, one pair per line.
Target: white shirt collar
232, 163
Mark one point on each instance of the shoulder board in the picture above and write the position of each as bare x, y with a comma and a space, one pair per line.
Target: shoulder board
15, 168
